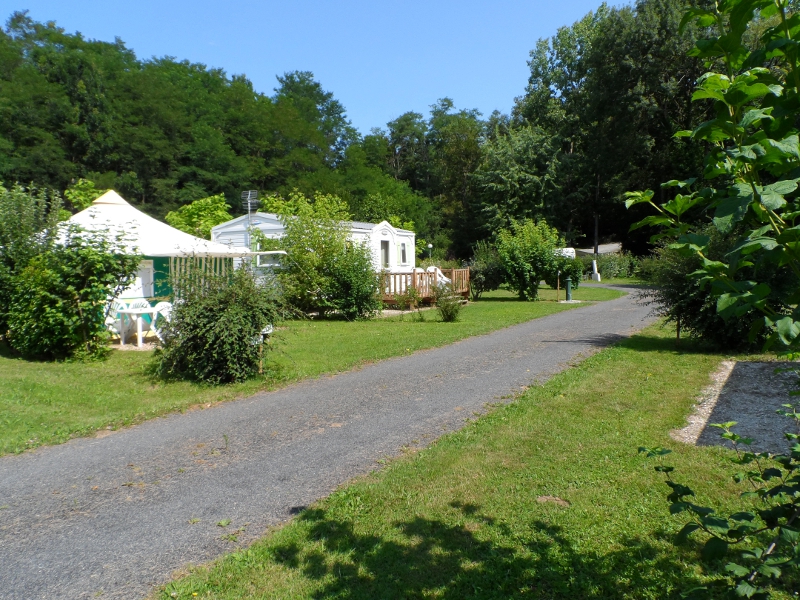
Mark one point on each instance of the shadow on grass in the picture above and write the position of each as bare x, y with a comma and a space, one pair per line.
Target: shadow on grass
650, 343
430, 558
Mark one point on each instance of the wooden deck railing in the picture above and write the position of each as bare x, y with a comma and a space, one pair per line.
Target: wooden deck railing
396, 284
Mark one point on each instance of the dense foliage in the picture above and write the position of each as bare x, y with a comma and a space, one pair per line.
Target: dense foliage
527, 250
561, 268
214, 334
165, 132
612, 265
486, 271
59, 299
28, 220
751, 188
324, 271
198, 217
682, 299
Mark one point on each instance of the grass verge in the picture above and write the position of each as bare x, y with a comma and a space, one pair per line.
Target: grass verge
48, 403
542, 498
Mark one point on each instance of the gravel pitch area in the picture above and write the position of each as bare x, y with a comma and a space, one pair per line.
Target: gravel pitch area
113, 516
749, 393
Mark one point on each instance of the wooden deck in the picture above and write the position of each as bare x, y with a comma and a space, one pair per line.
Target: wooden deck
396, 284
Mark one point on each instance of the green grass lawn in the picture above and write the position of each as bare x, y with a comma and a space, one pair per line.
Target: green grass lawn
543, 498
47, 403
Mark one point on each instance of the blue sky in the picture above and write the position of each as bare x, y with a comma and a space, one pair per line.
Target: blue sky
380, 59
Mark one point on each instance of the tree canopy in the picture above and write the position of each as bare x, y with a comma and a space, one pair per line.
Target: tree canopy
596, 119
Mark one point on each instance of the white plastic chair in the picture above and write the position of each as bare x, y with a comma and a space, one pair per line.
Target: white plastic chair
115, 322
161, 317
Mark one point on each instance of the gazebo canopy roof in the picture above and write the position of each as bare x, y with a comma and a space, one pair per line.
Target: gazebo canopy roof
112, 216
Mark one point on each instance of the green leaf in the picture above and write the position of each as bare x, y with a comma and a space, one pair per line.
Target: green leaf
638, 197
704, 18
733, 209
769, 571
786, 148
772, 195
716, 525
742, 93
714, 549
790, 535
737, 570
652, 221
756, 114
678, 182
681, 203
787, 330
745, 589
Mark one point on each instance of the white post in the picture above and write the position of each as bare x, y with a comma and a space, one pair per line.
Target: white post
595, 273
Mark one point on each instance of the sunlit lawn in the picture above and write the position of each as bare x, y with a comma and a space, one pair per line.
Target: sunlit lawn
45, 403
543, 498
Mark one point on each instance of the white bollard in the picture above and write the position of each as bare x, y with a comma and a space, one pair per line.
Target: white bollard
595, 273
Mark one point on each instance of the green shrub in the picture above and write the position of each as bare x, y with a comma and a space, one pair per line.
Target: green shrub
527, 252
351, 283
214, 333
567, 267
683, 300
448, 303
28, 220
324, 271
611, 266
485, 270
58, 301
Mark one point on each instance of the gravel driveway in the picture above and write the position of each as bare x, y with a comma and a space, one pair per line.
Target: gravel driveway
117, 515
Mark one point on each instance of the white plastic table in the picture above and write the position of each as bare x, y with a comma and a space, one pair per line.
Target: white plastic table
136, 314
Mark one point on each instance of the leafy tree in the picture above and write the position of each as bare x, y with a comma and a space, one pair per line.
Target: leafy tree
517, 177
81, 194
28, 227
527, 251
319, 107
58, 300
325, 271
198, 217
751, 186
609, 91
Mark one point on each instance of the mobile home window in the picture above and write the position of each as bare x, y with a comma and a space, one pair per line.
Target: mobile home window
385, 254
403, 258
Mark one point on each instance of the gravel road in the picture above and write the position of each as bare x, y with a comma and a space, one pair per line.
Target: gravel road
113, 516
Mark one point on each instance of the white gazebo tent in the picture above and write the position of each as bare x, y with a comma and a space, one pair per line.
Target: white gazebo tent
166, 251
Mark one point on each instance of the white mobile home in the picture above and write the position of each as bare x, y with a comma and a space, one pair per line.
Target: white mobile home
392, 248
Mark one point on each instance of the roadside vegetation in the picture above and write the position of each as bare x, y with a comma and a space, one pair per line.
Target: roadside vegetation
544, 498
50, 402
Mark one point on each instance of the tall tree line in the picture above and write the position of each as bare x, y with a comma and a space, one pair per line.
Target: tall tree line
596, 119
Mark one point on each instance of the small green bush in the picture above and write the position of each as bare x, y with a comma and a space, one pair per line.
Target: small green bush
448, 303
58, 301
527, 251
214, 335
485, 270
683, 300
28, 226
611, 266
324, 271
567, 267
351, 283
